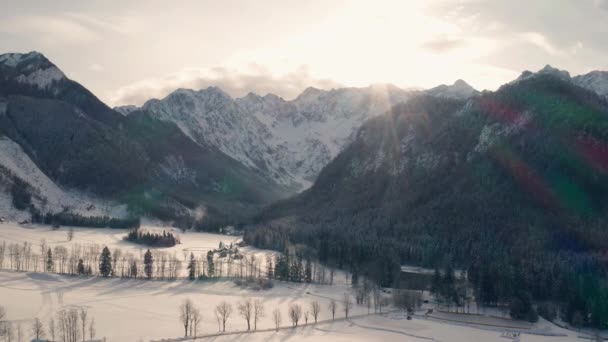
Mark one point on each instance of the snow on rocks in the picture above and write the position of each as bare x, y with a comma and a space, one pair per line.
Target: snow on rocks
42, 78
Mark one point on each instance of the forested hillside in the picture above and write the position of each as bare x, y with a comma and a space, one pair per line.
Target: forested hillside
511, 186
84, 146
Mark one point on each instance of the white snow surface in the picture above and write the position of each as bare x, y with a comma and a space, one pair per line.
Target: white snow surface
11, 59
459, 90
288, 141
49, 196
42, 78
140, 310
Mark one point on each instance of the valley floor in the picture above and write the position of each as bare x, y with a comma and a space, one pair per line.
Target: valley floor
140, 310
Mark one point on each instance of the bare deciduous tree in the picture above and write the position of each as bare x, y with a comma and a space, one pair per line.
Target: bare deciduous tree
195, 321
306, 314
346, 303
258, 312
276, 316
2, 312
69, 328
37, 329
223, 311
52, 328
19, 332
185, 314
83, 318
315, 308
333, 306
245, 310
92, 329
9, 331
295, 313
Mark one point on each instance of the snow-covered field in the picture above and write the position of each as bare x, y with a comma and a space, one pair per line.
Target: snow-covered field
134, 310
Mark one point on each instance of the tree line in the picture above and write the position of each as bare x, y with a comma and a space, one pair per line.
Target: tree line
67, 325
226, 261
152, 239
253, 311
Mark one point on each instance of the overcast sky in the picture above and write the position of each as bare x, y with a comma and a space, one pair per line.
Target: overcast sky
129, 51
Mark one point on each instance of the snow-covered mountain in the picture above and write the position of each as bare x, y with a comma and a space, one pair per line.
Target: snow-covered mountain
459, 90
30, 69
596, 81
288, 141
59, 143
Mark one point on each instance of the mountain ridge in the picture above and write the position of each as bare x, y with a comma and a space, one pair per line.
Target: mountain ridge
510, 186
82, 145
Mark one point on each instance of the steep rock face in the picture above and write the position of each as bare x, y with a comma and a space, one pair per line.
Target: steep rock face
286, 141
459, 90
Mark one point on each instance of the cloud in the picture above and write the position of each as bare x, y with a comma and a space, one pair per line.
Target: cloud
96, 67
443, 45
542, 42
257, 79
49, 30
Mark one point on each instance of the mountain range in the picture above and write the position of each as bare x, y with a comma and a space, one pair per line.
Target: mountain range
76, 147
194, 153
510, 186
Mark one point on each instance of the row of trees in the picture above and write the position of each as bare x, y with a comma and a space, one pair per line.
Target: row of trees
252, 311
225, 261
77, 220
92, 259
68, 325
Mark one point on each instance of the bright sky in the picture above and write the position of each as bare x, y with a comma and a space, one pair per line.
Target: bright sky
129, 51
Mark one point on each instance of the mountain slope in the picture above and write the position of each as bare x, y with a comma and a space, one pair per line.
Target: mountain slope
82, 145
286, 141
596, 81
511, 185
459, 90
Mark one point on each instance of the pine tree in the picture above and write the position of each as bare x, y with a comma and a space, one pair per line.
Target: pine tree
49, 261
308, 272
210, 265
192, 267
270, 270
81, 269
148, 264
133, 269
105, 264
436, 282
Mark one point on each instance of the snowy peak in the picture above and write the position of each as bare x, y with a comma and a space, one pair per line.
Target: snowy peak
287, 141
596, 81
14, 59
547, 70
126, 110
459, 90
30, 68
